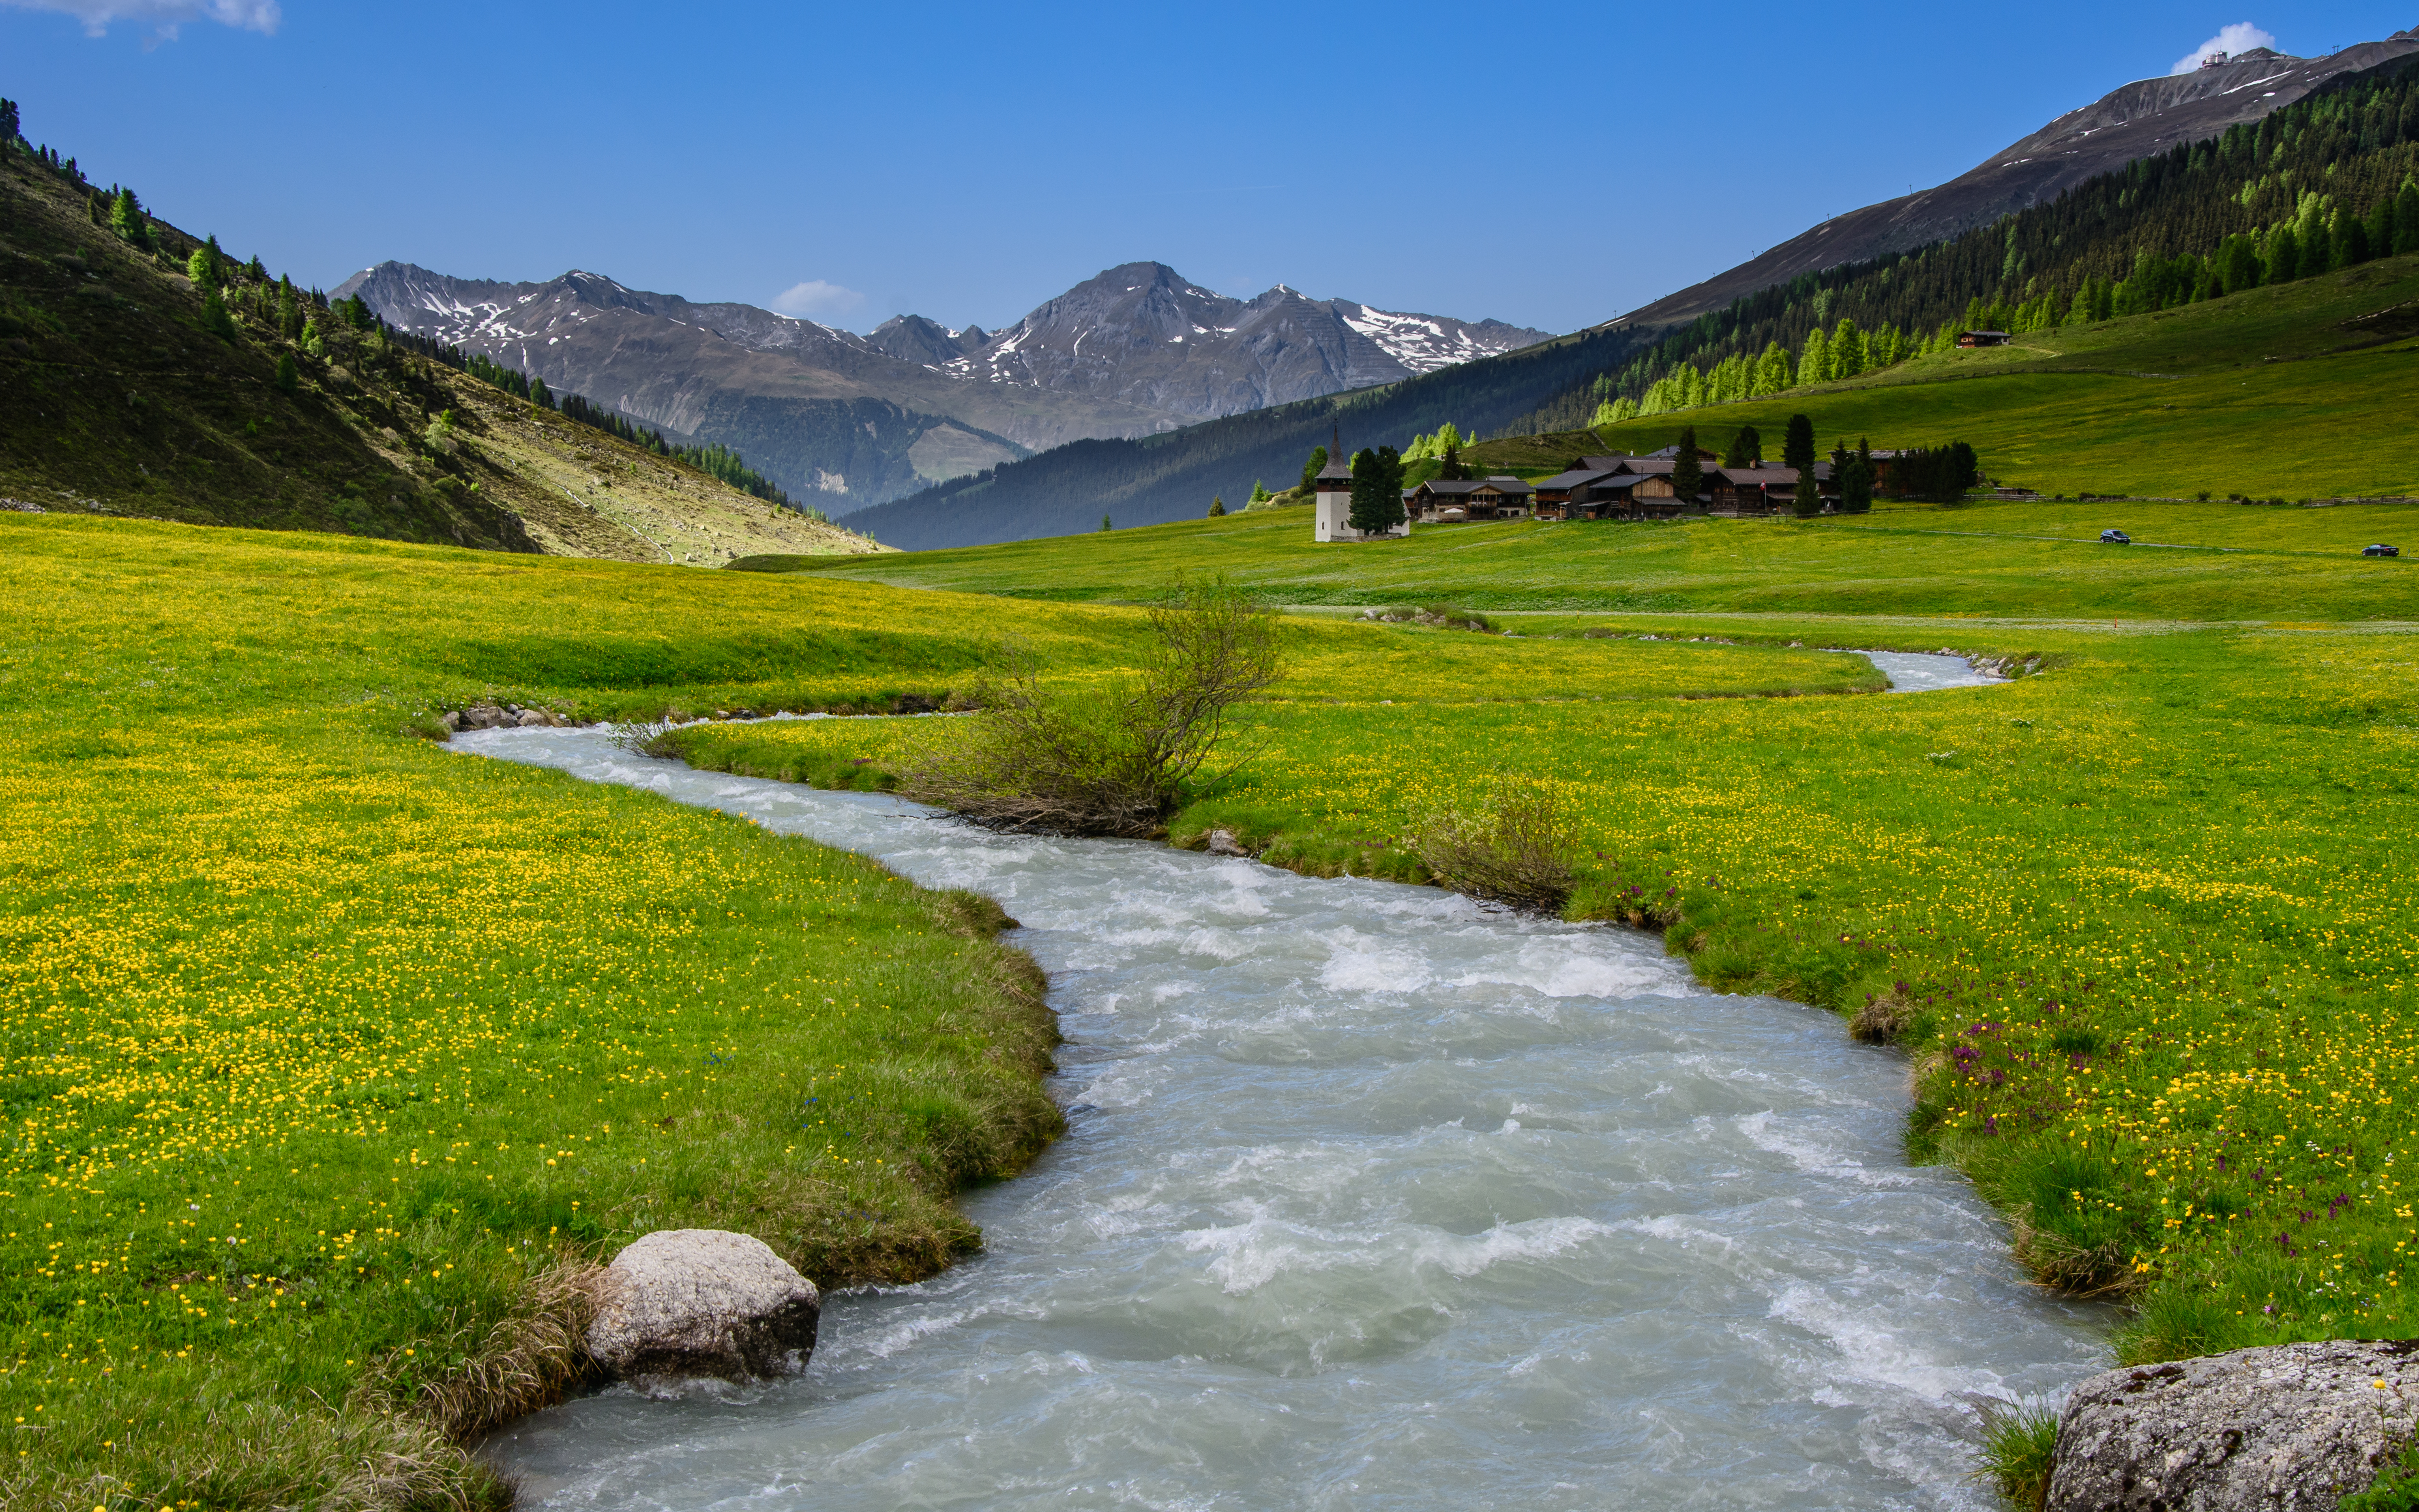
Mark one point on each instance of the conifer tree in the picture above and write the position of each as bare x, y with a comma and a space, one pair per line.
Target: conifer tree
206, 267
2379, 227
2284, 256
9, 119
2406, 218
1452, 470
2351, 239
289, 378
215, 318
1798, 445
1815, 366
1312, 469
1807, 502
1856, 480
1847, 351
1745, 449
1217, 508
126, 218
2237, 264
540, 395
1688, 472
1105, 523
1376, 490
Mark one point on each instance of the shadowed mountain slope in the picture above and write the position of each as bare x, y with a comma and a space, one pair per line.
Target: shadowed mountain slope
2135, 120
124, 390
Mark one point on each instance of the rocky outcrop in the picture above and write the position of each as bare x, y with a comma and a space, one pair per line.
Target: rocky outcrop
499, 716
2276, 1430
703, 1302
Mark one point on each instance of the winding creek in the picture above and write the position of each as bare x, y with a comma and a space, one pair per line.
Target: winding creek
1370, 1197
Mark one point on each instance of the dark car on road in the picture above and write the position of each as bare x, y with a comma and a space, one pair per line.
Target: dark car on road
2115, 538
2380, 550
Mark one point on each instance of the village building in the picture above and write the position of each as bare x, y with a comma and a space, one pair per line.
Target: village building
1556, 495
1438, 501
1982, 338
1738, 492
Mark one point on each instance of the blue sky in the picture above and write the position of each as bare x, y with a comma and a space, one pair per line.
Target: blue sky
1550, 165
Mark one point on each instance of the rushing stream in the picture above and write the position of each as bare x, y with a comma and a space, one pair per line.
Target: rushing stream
1370, 1198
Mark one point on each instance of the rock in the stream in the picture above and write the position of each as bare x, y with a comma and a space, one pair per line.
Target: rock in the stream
703, 1302
1222, 843
2277, 1429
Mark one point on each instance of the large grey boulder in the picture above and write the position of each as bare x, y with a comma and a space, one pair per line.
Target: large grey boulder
2277, 1429
703, 1301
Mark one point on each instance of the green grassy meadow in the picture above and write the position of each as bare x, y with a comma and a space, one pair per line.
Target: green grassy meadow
2028, 559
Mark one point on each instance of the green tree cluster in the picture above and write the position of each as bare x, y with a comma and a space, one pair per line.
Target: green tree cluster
1217, 508
128, 221
1745, 449
206, 267
1446, 438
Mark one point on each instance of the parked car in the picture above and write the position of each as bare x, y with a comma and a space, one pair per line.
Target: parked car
2116, 538
2380, 550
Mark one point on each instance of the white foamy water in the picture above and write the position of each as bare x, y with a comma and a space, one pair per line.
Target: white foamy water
1370, 1197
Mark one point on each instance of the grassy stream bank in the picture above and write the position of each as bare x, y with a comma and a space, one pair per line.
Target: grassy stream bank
2135, 918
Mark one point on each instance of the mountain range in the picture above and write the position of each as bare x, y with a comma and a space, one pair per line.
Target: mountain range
1154, 479
851, 420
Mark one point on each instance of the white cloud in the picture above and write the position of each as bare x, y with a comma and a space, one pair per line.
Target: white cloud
2240, 38
164, 16
815, 297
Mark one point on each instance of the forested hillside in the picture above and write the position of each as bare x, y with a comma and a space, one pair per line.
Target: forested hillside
2323, 184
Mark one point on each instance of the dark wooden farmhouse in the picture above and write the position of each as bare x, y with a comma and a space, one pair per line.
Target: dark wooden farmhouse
1982, 338
1437, 502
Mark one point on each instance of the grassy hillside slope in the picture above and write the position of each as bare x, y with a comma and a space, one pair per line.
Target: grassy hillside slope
118, 400
2293, 391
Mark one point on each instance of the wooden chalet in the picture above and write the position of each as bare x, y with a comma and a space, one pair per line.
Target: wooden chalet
1557, 495
1738, 492
1437, 502
1982, 338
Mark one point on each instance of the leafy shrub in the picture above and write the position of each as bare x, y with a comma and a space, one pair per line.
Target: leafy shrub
1511, 846
1112, 758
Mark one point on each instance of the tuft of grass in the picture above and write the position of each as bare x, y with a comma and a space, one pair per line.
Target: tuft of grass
2019, 1443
